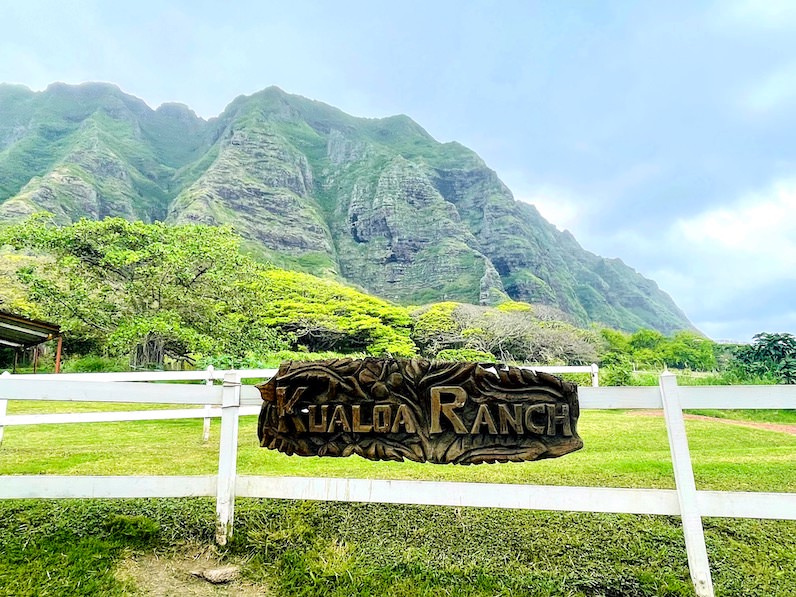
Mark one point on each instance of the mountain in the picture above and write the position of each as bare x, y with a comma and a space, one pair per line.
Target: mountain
376, 202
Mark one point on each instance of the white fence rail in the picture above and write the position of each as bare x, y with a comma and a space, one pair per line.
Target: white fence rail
209, 411
231, 400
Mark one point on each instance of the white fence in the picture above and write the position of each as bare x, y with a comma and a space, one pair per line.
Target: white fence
232, 399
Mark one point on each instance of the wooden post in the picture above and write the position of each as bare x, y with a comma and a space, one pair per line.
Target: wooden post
696, 550
58, 354
595, 379
227, 457
3, 406
206, 422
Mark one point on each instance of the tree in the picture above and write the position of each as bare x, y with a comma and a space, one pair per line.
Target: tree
646, 339
688, 350
326, 315
13, 295
158, 289
512, 334
615, 341
770, 354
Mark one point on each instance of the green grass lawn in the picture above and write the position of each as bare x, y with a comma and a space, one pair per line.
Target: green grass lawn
622, 449
783, 416
71, 547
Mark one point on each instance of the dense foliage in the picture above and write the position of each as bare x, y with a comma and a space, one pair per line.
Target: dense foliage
510, 333
648, 348
185, 291
770, 355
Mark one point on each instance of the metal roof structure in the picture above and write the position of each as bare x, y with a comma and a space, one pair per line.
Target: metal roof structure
20, 332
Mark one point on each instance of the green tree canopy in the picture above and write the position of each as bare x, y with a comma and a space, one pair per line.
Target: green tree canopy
688, 350
159, 290
179, 291
770, 355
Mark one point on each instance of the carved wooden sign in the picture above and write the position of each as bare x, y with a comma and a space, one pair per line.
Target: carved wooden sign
427, 411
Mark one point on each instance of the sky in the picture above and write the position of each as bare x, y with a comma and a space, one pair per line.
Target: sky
659, 132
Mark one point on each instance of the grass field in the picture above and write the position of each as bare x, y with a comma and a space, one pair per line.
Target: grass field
787, 417
73, 547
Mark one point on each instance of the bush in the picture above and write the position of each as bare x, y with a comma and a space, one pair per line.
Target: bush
94, 364
614, 375
465, 354
769, 355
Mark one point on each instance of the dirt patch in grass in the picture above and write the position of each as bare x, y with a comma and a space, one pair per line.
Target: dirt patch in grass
779, 427
170, 575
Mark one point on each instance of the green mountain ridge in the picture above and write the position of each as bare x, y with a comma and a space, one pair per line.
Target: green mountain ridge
377, 203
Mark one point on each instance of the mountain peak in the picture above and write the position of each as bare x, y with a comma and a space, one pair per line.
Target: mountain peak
177, 110
84, 89
376, 202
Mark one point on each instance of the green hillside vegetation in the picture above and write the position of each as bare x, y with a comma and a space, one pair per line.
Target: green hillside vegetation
375, 203
157, 292
92, 151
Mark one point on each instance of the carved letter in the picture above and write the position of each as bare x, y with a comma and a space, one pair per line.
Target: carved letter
483, 417
315, 426
382, 414
506, 419
298, 423
280, 400
554, 418
403, 417
356, 416
446, 408
339, 418
530, 425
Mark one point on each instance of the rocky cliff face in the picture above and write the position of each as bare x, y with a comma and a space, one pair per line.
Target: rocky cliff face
378, 203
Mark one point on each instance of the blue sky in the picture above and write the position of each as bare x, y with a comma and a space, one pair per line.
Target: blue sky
663, 133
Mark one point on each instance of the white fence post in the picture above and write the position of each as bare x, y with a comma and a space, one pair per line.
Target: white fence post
227, 457
696, 550
3, 407
595, 373
206, 424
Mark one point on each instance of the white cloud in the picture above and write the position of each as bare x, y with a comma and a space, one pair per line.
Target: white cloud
743, 328
770, 14
722, 261
23, 67
758, 231
557, 206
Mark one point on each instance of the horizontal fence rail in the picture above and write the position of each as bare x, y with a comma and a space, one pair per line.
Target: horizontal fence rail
230, 400
100, 486
720, 504
127, 393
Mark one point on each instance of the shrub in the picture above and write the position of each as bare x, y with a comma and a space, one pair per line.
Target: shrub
465, 354
94, 364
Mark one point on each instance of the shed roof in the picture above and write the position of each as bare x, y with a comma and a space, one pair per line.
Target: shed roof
20, 332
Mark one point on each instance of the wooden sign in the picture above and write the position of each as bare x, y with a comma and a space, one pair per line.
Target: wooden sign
426, 411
